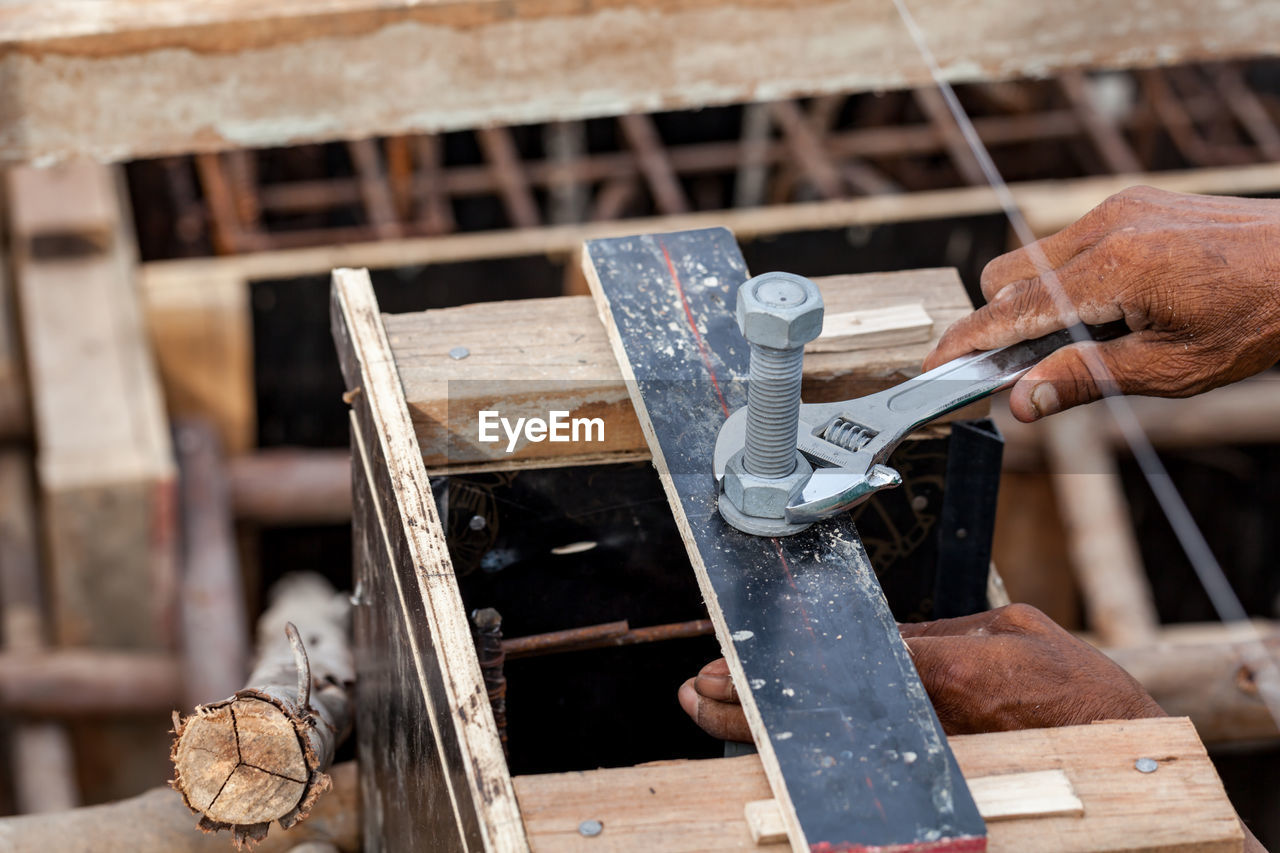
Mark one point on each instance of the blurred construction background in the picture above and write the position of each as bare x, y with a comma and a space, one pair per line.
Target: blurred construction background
175, 439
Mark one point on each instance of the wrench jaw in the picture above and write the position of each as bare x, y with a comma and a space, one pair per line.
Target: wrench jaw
831, 491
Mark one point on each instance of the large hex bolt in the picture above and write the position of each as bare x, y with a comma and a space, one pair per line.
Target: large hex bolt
778, 314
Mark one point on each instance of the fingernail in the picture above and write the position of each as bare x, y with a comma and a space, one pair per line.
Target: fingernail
1044, 399
1002, 293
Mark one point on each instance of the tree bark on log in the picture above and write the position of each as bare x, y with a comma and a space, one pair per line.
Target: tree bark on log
261, 754
157, 822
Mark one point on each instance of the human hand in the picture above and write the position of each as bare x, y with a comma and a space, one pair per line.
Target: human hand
1009, 668
1196, 279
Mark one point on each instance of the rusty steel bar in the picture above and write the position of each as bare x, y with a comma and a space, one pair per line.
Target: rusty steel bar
654, 163
1111, 144
602, 636
508, 169
376, 194
491, 650
434, 210
227, 235
555, 641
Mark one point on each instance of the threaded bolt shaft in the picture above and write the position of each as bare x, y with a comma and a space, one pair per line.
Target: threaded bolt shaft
773, 410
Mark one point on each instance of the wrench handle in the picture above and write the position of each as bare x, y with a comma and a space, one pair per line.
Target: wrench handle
970, 378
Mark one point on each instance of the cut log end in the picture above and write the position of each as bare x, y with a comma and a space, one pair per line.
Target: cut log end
244, 762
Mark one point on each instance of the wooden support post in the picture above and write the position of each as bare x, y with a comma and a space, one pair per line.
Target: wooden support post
1100, 537
427, 737
15, 414
215, 630
566, 145
753, 168
201, 330
105, 463
42, 760
789, 612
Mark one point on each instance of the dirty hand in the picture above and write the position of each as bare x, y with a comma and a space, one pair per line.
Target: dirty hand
1196, 279
1009, 668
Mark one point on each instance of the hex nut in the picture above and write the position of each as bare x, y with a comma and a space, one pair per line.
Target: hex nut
762, 497
779, 310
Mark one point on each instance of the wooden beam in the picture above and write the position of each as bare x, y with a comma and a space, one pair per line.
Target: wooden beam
788, 612
91, 683
1048, 206
423, 716
700, 805
531, 356
284, 486
121, 83
1200, 671
104, 463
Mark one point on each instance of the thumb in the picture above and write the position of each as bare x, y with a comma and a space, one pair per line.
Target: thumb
1084, 372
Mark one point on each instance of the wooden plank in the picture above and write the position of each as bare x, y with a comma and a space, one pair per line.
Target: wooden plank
765, 821
1048, 205
446, 732
853, 750
120, 83
699, 805
868, 328
532, 356
201, 330
1038, 793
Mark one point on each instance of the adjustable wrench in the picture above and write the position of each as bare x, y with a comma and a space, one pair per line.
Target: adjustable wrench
849, 442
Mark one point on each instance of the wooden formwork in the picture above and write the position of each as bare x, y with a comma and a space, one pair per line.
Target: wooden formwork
432, 760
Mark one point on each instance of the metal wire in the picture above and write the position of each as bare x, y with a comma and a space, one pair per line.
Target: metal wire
1216, 585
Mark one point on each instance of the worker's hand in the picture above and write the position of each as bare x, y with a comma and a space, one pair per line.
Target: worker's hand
1197, 279
1009, 668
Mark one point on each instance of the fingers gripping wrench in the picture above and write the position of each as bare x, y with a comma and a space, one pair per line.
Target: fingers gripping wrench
848, 443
